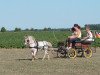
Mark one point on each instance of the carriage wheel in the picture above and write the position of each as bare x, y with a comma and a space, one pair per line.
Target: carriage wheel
72, 53
79, 52
61, 52
88, 52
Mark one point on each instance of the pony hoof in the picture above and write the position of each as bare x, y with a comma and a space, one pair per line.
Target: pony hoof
32, 59
48, 59
42, 59
36, 58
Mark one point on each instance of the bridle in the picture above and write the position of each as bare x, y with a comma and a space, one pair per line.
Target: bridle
34, 41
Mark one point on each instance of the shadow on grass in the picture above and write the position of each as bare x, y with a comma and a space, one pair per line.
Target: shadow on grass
28, 59
23, 59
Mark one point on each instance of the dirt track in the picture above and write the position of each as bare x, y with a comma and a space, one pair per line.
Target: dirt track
18, 62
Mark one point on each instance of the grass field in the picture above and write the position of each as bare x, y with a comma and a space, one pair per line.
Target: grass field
18, 62
16, 39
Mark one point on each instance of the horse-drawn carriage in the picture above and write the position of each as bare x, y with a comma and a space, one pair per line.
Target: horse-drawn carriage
80, 48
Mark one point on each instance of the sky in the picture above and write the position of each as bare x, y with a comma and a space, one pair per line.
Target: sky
39, 14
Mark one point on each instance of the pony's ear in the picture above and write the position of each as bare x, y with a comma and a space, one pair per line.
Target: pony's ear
25, 36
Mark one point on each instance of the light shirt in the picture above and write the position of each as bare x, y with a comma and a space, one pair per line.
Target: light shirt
77, 34
90, 36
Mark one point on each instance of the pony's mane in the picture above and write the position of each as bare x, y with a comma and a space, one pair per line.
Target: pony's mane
31, 37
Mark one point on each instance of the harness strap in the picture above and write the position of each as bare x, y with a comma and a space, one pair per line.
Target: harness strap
35, 46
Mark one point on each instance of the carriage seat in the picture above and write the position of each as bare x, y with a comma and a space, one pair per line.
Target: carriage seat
84, 41
78, 41
87, 41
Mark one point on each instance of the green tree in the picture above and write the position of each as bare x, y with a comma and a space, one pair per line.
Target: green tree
17, 29
94, 26
26, 29
47, 29
32, 29
3, 29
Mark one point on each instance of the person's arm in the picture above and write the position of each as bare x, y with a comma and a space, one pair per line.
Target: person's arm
88, 36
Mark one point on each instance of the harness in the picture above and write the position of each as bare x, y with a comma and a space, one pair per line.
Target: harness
36, 47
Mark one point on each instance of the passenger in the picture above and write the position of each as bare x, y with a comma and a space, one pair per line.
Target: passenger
89, 36
76, 35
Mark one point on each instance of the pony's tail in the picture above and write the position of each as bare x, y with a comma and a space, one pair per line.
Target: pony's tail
50, 46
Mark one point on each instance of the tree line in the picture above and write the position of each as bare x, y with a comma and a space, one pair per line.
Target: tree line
92, 27
3, 29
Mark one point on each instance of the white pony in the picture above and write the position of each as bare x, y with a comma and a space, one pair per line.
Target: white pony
37, 45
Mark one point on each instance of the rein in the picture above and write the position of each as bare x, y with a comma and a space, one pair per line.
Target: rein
55, 36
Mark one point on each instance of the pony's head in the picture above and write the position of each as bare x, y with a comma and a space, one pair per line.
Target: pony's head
28, 39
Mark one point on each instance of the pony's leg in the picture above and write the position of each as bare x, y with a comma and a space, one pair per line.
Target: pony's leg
34, 51
33, 56
46, 53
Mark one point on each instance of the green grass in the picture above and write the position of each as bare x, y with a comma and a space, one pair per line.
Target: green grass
16, 39
18, 62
